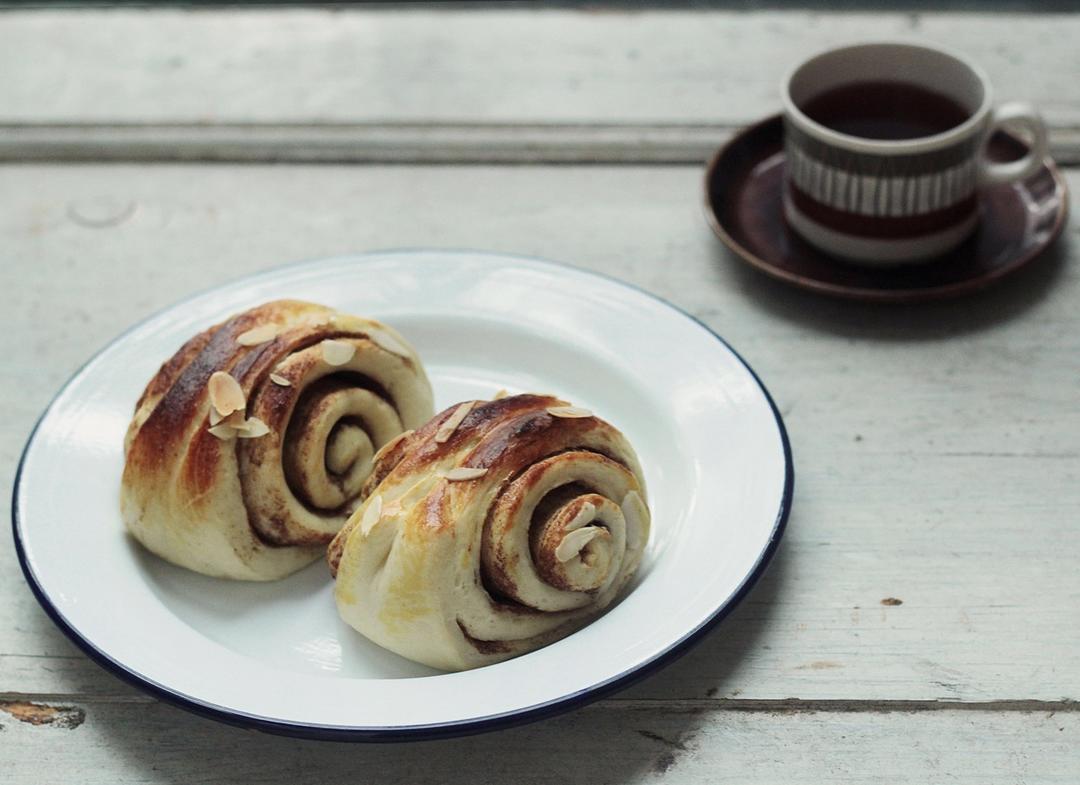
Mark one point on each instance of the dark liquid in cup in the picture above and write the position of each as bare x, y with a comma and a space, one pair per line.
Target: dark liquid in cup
885, 110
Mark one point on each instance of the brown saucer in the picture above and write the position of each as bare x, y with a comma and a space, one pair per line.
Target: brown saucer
743, 204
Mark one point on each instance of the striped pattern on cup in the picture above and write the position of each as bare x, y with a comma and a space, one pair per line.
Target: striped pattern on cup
880, 185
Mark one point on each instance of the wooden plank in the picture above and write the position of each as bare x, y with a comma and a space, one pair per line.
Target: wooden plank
631, 143
370, 84
380, 142
335, 65
935, 445
122, 743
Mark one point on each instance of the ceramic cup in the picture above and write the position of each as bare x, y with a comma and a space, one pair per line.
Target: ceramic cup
880, 201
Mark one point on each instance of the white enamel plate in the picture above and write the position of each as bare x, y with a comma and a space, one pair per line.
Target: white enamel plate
275, 656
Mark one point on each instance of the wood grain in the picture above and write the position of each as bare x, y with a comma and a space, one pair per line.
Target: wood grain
117, 743
443, 143
919, 623
935, 445
418, 84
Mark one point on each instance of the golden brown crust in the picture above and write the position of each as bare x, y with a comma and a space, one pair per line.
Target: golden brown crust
184, 383
182, 481
172, 367
516, 513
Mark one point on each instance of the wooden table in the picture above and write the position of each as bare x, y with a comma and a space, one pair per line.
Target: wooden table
921, 622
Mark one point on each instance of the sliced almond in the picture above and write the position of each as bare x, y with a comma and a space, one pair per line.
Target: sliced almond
390, 445
258, 335
371, 514
280, 380
391, 509
573, 543
224, 432
463, 473
252, 428
587, 514
446, 430
337, 352
569, 412
500, 395
321, 317
225, 393
636, 515
319, 321
385, 340
236, 419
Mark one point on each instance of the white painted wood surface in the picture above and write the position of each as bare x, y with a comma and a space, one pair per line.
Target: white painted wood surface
937, 447
603, 744
414, 82
510, 65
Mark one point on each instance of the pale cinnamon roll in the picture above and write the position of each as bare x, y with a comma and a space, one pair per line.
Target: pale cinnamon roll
250, 446
497, 528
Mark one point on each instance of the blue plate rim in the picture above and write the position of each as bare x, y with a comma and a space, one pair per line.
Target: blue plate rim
467, 727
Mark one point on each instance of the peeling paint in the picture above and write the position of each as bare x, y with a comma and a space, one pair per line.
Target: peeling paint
68, 717
818, 665
668, 758
678, 745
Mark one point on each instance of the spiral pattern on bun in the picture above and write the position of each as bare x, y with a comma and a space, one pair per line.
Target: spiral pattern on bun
250, 446
497, 528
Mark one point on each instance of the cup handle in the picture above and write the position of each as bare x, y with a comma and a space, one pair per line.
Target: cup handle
1026, 116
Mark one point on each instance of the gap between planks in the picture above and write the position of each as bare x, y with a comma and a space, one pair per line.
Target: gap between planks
784, 706
390, 142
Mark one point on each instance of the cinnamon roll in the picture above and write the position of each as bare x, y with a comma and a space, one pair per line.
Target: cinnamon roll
495, 529
250, 446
